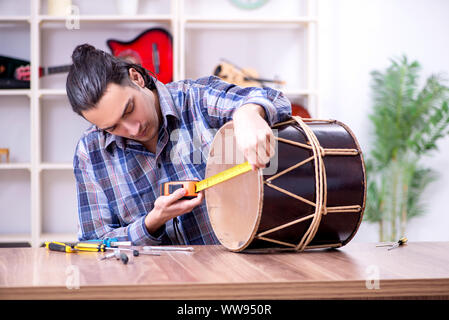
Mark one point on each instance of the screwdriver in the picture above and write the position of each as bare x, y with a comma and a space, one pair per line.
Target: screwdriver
59, 246
100, 247
400, 242
92, 247
110, 242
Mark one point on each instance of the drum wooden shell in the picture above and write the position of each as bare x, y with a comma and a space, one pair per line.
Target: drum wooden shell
297, 207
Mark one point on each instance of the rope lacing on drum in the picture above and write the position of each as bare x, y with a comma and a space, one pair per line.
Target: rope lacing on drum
320, 180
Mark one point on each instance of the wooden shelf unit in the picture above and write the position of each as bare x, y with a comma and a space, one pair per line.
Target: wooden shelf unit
180, 22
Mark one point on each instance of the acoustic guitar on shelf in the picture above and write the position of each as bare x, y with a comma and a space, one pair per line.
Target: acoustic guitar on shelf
246, 77
243, 77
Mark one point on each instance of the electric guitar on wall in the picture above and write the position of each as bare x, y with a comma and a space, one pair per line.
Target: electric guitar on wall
15, 73
152, 49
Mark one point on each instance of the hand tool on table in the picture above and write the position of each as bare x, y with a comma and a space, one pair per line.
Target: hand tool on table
76, 247
94, 247
134, 251
400, 242
167, 248
79, 246
393, 245
118, 255
110, 242
193, 187
59, 246
100, 247
91, 247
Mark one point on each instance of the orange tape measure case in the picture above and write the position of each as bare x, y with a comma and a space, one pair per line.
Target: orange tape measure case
170, 187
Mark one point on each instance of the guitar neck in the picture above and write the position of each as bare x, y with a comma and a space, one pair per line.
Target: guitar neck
264, 80
57, 69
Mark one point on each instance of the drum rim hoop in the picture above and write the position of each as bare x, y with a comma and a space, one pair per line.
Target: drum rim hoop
261, 194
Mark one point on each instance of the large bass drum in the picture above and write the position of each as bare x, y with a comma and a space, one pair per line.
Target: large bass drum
315, 198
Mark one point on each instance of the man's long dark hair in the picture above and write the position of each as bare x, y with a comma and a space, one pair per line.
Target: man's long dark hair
92, 71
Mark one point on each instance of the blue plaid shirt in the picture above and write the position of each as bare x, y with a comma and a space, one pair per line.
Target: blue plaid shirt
118, 179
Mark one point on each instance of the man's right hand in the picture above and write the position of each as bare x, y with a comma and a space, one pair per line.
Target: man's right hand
169, 207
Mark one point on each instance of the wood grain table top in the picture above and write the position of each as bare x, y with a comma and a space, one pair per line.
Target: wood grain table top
358, 270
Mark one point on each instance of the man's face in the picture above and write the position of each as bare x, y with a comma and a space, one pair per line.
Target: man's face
127, 111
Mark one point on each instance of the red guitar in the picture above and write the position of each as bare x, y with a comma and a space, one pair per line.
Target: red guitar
152, 49
298, 110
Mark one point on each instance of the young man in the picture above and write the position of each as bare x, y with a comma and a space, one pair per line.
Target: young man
138, 127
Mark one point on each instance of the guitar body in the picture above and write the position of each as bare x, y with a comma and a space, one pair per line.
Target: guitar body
243, 77
298, 110
8, 66
152, 49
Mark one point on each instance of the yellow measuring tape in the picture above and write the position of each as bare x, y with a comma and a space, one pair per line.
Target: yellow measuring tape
223, 176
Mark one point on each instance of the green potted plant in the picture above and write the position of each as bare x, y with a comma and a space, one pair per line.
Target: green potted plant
407, 122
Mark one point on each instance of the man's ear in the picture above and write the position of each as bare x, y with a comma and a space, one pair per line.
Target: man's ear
136, 77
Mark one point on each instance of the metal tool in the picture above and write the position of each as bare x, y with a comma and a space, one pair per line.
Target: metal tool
100, 247
134, 251
123, 257
110, 242
167, 248
400, 242
150, 253
108, 255
393, 245
118, 255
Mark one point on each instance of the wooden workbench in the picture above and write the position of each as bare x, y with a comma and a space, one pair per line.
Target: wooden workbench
358, 270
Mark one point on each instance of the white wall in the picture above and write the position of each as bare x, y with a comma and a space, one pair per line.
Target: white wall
357, 37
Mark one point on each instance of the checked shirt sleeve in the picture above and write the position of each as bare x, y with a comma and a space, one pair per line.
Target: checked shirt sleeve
220, 99
96, 220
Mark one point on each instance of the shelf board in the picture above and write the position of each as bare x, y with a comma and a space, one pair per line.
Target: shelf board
15, 237
56, 166
257, 20
14, 19
109, 18
15, 166
52, 92
15, 92
42, 166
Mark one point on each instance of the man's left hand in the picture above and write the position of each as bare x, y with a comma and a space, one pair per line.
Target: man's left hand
253, 135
